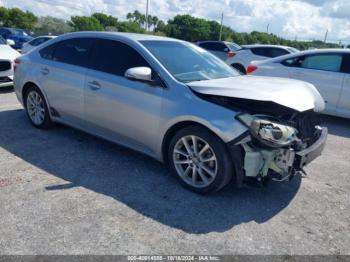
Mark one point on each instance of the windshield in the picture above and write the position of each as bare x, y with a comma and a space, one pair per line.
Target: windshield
292, 49
233, 46
188, 62
2, 41
19, 32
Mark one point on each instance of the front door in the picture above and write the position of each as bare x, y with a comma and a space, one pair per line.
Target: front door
118, 108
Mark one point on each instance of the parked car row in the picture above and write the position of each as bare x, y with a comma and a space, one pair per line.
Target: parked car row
239, 57
191, 110
13, 41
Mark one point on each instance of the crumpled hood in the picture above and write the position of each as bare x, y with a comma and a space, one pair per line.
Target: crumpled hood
298, 95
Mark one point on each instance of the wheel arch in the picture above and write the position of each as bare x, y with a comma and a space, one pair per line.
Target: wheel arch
29, 84
235, 152
26, 86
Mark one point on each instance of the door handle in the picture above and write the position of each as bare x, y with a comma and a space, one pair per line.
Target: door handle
94, 85
45, 71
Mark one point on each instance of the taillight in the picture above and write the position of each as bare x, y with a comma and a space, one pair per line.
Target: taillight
231, 54
16, 63
251, 69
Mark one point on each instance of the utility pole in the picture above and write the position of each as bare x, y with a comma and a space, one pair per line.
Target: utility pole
325, 37
222, 20
267, 28
146, 24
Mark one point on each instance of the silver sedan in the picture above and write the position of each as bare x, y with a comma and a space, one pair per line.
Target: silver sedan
175, 102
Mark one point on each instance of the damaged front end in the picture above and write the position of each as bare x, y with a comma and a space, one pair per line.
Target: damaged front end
280, 140
277, 148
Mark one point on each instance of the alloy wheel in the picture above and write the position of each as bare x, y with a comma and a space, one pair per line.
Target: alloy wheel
35, 107
195, 161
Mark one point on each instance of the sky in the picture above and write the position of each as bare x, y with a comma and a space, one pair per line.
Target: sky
301, 19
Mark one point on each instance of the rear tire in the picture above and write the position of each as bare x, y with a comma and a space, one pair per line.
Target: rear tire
36, 108
200, 160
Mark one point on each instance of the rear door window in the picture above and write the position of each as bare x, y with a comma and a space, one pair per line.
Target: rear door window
269, 51
212, 46
260, 51
114, 57
73, 51
326, 62
275, 52
47, 52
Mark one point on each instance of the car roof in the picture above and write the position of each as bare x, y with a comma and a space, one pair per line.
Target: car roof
130, 36
325, 50
211, 41
263, 45
305, 52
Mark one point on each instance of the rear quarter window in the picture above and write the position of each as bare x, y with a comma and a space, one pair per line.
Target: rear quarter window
47, 52
74, 51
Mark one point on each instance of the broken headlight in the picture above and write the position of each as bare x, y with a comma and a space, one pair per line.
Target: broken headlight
269, 132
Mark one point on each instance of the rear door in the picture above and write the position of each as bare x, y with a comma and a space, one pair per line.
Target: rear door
343, 107
118, 108
62, 75
323, 70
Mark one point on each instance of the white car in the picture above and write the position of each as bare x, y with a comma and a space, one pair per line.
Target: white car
249, 53
7, 57
327, 69
222, 49
35, 42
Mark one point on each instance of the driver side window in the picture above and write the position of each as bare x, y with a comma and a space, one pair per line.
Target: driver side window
115, 57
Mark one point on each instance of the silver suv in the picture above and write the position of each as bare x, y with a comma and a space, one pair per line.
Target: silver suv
175, 102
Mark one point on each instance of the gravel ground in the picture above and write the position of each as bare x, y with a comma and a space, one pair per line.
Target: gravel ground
65, 192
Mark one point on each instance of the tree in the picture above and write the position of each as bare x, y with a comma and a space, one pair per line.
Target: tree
3, 15
137, 17
189, 28
15, 17
130, 26
85, 23
49, 25
106, 20
160, 27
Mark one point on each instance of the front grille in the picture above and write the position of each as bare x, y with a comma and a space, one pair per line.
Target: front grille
5, 79
5, 65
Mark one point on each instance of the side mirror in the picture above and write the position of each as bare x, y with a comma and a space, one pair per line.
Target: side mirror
10, 42
139, 73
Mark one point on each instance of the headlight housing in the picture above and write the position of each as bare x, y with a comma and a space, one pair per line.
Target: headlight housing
269, 132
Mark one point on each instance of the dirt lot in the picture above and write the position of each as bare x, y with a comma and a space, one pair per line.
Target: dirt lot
65, 192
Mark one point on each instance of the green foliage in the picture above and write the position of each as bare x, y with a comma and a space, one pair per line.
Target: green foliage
49, 25
15, 17
85, 23
188, 28
136, 17
130, 26
106, 20
184, 27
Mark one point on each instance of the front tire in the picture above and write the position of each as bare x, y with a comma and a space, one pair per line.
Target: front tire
200, 160
36, 108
